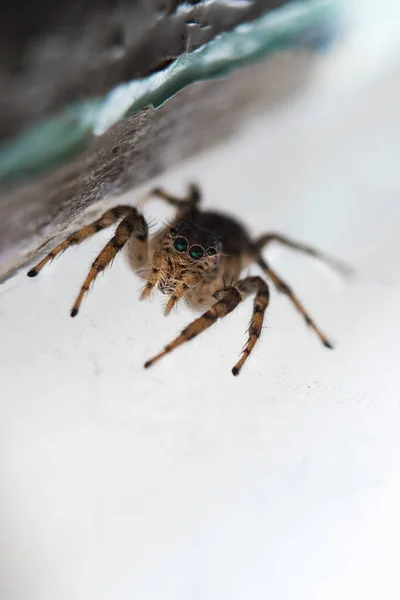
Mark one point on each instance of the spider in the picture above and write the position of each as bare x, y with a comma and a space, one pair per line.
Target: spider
199, 258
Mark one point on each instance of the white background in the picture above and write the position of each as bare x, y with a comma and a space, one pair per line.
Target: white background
185, 482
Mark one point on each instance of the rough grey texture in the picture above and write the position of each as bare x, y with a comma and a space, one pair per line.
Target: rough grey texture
55, 53
137, 149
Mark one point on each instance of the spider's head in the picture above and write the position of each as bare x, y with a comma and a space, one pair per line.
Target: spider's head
193, 244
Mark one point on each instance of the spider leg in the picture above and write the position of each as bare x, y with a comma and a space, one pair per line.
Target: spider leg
132, 225
109, 217
191, 200
248, 286
229, 298
285, 289
335, 264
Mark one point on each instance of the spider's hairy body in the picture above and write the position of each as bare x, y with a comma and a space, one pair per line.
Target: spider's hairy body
199, 258
235, 255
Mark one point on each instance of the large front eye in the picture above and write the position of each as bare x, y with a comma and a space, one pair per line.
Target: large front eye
196, 252
180, 244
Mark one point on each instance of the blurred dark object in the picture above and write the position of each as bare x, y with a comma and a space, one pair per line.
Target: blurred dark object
55, 53
54, 56
139, 148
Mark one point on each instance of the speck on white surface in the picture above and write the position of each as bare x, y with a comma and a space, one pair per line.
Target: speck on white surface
185, 482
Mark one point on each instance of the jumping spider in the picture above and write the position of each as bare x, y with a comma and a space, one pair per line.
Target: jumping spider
198, 258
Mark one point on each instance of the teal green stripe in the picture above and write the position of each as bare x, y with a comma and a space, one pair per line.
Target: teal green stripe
54, 141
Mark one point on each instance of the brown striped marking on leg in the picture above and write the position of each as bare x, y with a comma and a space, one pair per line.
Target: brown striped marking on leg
334, 263
229, 298
247, 286
132, 225
109, 217
285, 289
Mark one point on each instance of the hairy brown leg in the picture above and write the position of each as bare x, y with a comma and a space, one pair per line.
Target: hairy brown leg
247, 286
191, 200
132, 225
183, 287
229, 298
109, 217
285, 289
266, 239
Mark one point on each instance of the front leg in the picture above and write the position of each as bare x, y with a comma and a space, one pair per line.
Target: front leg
229, 300
247, 286
133, 225
106, 220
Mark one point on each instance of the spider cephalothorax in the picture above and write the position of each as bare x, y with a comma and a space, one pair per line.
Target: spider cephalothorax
186, 256
188, 244
193, 259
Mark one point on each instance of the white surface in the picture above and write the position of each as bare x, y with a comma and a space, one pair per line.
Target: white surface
183, 481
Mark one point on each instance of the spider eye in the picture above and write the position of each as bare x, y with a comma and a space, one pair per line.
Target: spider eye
211, 251
173, 232
180, 244
196, 252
